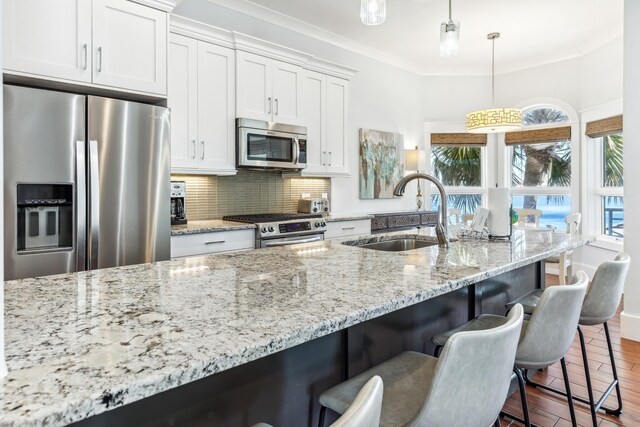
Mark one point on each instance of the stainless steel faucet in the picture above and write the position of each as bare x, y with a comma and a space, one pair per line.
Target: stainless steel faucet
441, 227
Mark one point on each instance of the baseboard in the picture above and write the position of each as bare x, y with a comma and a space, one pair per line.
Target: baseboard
630, 326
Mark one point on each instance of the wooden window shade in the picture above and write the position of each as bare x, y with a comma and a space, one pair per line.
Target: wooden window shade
537, 136
458, 139
603, 127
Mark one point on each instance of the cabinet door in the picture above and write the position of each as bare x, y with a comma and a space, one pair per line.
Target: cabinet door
183, 100
216, 108
337, 126
286, 92
48, 38
129, 46
313, 116
254, 100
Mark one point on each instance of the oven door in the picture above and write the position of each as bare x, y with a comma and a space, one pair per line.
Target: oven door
260, 148
287, 241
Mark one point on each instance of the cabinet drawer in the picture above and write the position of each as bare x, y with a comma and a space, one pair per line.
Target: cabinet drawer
209, 243
348, 228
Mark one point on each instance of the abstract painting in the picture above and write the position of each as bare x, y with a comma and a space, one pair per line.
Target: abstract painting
381, 163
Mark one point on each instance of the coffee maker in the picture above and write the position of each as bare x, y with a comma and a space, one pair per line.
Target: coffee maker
178, 207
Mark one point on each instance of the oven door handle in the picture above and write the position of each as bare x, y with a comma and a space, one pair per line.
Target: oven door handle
293, 242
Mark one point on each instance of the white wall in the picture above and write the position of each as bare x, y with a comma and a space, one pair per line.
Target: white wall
630, 318
382, 97
3, 365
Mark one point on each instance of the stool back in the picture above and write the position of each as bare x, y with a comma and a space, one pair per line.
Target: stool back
605, 291
550, 331
365, 409
472, 377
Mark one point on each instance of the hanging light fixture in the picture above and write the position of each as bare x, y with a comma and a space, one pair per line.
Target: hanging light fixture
373, 12
449, 36
494, 120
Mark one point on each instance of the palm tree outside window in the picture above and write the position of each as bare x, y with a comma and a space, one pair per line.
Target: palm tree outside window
541, 169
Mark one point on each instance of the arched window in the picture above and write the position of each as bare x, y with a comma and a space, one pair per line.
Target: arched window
541, 164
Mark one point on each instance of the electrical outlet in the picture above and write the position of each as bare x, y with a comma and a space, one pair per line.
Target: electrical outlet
324, 195
305, 195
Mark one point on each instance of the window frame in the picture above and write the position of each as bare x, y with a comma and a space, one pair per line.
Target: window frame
592, 179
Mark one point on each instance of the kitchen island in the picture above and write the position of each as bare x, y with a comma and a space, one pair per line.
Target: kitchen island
234, 339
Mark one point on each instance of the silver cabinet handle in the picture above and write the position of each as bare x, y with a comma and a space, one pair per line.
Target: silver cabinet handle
293, 242
277, 106
85, 57
349, 228
194, 148
100, 59
324, 158
81, 209
202, 153
296, 145
214, 242
269, 101
330, 156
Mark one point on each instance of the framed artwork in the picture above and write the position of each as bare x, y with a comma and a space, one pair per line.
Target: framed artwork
381, 163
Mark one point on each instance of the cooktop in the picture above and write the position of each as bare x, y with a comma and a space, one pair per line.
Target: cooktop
269, 217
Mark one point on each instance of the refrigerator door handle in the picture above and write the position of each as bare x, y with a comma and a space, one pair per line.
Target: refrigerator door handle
94, 205
81, 207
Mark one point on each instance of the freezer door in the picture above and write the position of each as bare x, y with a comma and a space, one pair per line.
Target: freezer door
128, 166
44, 134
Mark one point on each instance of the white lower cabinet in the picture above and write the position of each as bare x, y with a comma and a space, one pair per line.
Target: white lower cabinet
210, 243
339, 229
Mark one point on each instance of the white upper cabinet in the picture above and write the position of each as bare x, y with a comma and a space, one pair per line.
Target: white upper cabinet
324, 107
201, 98
129, 46
267, 89
113, 43
48, 38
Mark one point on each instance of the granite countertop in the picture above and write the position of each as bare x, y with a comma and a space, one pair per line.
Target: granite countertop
209, 226
215, 225
83, 343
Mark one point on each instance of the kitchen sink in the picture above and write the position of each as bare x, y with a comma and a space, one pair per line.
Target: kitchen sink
398, 244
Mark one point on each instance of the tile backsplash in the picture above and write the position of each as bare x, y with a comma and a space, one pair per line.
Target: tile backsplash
248, 192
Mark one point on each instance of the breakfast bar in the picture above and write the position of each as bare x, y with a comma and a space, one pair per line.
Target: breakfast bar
240, 338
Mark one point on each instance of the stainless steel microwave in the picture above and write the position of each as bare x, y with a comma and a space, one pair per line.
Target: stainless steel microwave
263, 144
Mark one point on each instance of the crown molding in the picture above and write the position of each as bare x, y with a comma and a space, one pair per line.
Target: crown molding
261, 47
200, 31
164, 5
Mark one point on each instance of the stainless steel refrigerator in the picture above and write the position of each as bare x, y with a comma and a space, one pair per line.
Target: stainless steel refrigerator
86, 182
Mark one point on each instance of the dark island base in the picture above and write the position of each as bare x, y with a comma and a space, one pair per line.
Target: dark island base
282, 389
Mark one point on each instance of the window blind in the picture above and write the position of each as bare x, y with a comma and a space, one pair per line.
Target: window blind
599, 128
536, 136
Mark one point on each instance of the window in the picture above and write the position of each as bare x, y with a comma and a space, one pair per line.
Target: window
604, 178
541, 165
611, 187
457, 160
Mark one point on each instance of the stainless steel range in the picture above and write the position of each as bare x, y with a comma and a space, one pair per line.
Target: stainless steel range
284, 229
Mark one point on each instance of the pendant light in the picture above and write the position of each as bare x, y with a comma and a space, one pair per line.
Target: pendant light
373, 12
449, 36
494, 120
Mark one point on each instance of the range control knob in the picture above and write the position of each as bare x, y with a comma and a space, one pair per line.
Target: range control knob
326, 209
318, 224
324, 224
263, 229
270, 229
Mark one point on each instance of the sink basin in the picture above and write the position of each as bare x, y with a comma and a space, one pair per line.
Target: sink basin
394, 245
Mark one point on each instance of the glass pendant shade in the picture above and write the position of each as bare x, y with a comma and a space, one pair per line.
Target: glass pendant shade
494, 120
449, 38
373, 12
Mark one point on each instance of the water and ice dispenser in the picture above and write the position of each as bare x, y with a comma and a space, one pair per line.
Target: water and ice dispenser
45, 217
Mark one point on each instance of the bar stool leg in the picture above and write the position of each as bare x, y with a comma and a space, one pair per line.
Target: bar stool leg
587, 374
567, 387
323, 411
523, 397
617, 411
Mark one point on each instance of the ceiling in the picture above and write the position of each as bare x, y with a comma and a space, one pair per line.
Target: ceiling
532, 32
